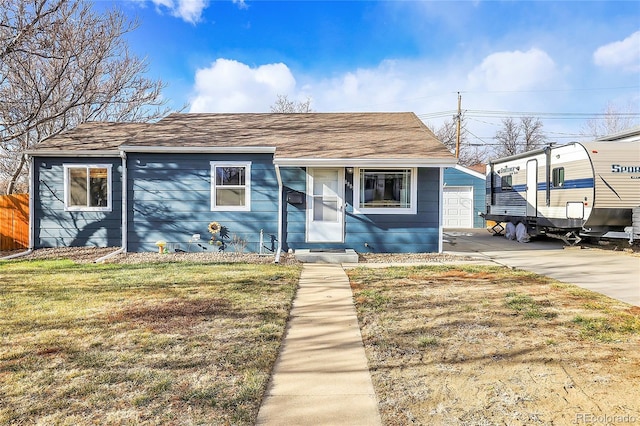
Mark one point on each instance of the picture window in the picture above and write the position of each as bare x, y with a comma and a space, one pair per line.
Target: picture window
385, 191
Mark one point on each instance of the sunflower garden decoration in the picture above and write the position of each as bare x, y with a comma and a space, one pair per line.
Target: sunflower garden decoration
218, 234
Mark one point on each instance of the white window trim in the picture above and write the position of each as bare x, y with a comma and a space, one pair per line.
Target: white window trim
247, 186
413, 207
87, 208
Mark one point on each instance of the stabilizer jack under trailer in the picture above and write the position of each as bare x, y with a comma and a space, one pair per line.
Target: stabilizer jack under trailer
572, 237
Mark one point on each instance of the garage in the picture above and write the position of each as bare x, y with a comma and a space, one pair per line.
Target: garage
463, 194
457, 202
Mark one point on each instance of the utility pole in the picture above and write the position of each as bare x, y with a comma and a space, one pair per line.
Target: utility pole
458, 122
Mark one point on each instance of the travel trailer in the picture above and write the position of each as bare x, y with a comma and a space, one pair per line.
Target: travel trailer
570, 191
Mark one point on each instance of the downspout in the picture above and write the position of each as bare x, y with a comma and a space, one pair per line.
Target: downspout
123, 178
280, 215
31, 210
441, 211
125, 204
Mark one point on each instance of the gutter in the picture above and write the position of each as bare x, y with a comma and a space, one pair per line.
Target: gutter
280, 215
366, 162
198, 149
72, 154
31, 210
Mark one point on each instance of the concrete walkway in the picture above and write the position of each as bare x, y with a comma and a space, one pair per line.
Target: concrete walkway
321, 376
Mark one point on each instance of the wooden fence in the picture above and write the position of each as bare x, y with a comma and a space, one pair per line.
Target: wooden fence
14, 222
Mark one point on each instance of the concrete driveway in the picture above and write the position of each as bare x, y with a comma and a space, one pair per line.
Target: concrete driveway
613, 273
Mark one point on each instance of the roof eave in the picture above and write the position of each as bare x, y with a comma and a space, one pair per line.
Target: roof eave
198, 149
72, 153
469, 171
366, 162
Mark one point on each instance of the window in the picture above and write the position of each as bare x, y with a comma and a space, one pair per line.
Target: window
230, 186
506, 183
87, 187
557, 177
385, 191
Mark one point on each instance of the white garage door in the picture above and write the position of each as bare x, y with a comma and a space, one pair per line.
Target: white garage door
457, 202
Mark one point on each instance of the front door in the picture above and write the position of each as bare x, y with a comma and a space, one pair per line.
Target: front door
532, 188
325, 206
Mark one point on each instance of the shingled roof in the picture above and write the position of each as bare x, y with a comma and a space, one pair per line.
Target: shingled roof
366, 136
93, 136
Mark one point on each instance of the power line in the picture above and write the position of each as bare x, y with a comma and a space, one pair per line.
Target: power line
553, 115
586, 89
469, 113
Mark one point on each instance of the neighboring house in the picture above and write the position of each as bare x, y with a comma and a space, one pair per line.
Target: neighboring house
364, 181
463, 198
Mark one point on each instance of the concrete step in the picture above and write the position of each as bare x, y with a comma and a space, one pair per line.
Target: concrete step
326, 256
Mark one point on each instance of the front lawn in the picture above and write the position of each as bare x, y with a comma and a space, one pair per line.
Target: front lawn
162, 343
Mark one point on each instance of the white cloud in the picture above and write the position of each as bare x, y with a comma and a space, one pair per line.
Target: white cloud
187, 10
231, 86
514, 71
241, 4
623, 54
392, 85
532, 83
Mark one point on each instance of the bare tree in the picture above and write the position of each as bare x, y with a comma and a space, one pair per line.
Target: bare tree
284, 105
447, 134
515, 138
613, 120
63, 64
469, 154
532, 135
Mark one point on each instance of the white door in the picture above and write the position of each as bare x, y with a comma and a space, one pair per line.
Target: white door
457, 202
532, 188
325, 210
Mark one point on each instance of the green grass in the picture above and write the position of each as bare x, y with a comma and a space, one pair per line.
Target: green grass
169, 343
426, 341
371, 299
609, 328
528, 307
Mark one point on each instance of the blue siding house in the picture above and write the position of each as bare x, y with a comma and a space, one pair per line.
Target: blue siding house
463, 198
364, 181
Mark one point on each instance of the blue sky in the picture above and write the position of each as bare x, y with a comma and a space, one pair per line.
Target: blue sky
505, 57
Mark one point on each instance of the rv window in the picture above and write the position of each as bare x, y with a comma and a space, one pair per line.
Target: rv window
558, 177
506, 183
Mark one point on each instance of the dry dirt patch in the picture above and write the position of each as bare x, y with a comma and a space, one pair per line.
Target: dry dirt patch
485, 346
